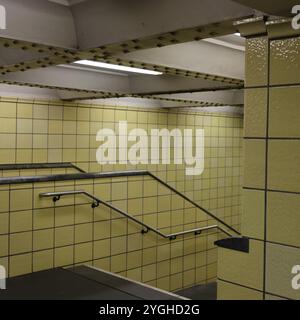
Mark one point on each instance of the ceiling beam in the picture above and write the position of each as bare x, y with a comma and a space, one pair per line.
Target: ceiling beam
137, 19
271, 7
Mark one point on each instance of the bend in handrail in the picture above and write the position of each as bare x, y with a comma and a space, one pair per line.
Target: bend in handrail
57, 195
31, 166
193, 202
80, 176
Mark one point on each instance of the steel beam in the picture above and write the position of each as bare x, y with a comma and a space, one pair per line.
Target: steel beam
137, 19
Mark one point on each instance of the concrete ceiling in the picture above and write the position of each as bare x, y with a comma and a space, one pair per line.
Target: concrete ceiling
271, 7
189, 41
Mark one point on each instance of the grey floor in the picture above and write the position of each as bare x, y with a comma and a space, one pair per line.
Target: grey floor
202, 292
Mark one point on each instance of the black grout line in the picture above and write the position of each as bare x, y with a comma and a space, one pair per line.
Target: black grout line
272, 138
271, 190
287, 85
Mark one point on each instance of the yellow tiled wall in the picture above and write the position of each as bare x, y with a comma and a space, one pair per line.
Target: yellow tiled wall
271, 199
35, 235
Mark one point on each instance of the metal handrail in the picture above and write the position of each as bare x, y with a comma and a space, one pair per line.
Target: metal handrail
32, 166
57, 195
195, 204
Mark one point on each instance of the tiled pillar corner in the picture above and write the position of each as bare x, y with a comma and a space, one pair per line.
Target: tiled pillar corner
271, 196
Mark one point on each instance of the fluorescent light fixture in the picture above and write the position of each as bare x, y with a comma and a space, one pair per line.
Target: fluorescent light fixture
103, 65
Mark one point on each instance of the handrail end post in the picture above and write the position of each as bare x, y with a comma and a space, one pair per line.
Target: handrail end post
56, 198
144, 231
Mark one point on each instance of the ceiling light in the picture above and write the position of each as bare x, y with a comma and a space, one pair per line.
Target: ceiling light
103, 65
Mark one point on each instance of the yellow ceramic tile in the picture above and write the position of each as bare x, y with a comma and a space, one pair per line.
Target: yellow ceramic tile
283, 218
4, 223
284, 169
96, 114
64, 256
255, 155
211, 272
40, 141
7, 141
103, 264
256, 61
55, 155
201, 259
135, 274
20, 221
149, 272
55, 127
83, 114
135, 242
284, 112
256, 101
54, 141
24, 125
4, 201
134, 259
43, 260
20, 242
83, 252
176, 249
64, 236
83, 214
189, 278
43, 218
118, 245
176, 265
176, 282
83, 127
8, 110
55, 112
20, 200
40, 111
285, 61
24, 141
229, 291
149, 255
43, 239
4, 263
280, 263
84, 232
20, 264
70, 113
243, 268
3, 246
108, 115
118, 227
7, 156
24, 110
101, 248
275, 298
40, 126
7, 125
253, 215
24, 156
118, 263
102, 230
69, 128
64, 216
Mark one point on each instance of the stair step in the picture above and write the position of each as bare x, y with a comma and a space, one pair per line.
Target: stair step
202, 292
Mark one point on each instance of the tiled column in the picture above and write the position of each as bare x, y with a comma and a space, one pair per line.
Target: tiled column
271, 197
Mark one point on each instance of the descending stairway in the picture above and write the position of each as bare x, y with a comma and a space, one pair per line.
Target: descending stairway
202, 292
